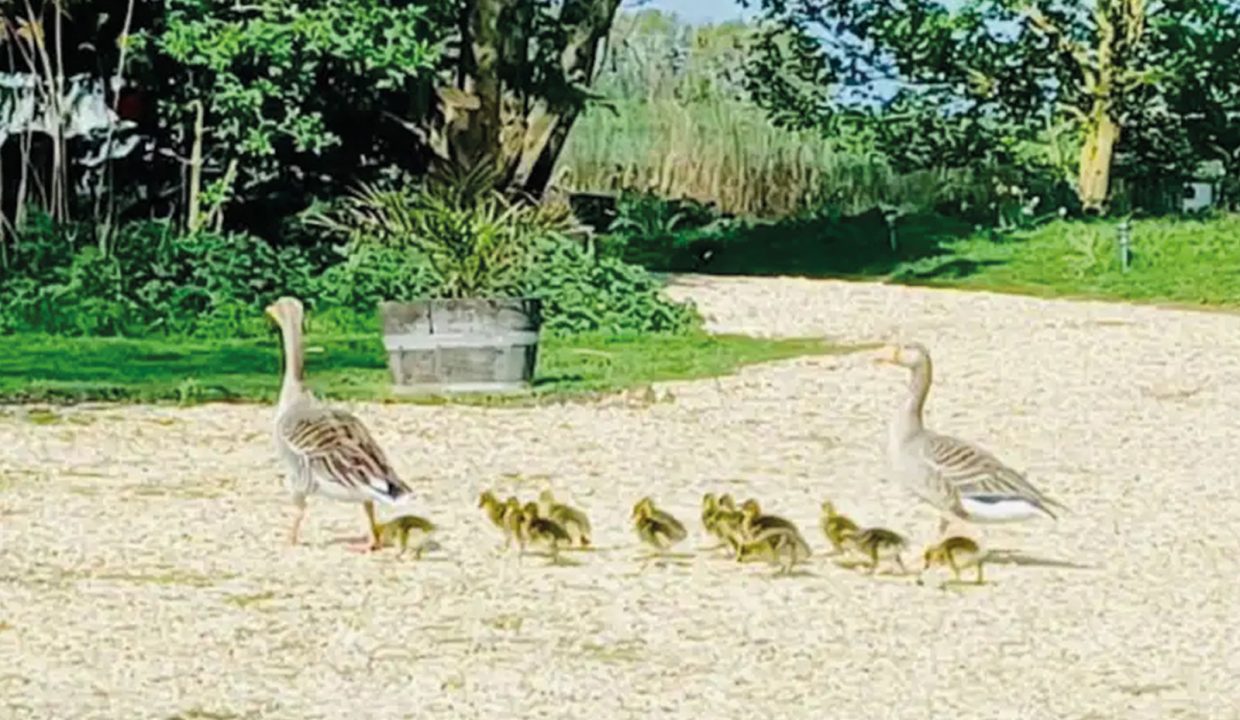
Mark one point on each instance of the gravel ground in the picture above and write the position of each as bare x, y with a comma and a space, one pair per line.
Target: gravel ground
144, 575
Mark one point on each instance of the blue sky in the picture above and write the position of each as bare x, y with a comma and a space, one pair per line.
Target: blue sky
694, 11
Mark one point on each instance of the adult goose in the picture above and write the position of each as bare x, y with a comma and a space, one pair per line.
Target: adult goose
960, 479
328, 451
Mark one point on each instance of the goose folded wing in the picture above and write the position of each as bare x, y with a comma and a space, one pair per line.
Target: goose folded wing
338, 448
966, 470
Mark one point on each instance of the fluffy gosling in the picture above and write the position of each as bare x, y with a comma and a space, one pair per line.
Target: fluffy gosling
880, 543
656, 528
493, 508
780, 545
728, 528
955, 552
543, 532
402, 529
512, 524
710, 508
570, 518
836, 527
754, 521
721, 520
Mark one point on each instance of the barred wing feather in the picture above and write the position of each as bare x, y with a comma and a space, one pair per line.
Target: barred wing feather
336, 447
961, 470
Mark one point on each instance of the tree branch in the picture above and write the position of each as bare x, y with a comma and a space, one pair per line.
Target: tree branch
1078, 52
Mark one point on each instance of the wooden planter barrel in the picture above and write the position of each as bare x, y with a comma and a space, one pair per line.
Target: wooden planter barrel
459, 346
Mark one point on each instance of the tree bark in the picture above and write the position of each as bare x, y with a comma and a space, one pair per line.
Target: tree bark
500, 116
1108, 72
1097, 151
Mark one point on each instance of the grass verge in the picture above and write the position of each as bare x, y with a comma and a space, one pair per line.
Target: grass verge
1178, 261
1173, 260
42, 368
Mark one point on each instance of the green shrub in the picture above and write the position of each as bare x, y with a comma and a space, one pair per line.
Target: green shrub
372, 273
474, 241
657, 233
582, 293
154, 281
454, 236
202, 283
215, 285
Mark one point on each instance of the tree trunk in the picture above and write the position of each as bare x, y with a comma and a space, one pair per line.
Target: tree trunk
499, 116
1101, 134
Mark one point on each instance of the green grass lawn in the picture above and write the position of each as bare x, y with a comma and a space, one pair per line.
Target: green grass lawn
1175, 260
1179, 261
63, 369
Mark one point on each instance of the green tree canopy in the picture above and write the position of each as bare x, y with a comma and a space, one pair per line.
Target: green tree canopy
977, 80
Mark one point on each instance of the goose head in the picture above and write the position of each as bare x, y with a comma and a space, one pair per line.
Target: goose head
906, 355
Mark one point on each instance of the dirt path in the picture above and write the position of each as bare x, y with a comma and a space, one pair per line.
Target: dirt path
142, 573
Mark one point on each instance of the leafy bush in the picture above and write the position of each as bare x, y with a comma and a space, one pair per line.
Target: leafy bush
653, 232
454, 236
154, 281
581, 293
475, 241
290, 89
214, 285
372, 273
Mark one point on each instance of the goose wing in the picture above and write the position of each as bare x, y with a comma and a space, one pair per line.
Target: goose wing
336, 447
960, 470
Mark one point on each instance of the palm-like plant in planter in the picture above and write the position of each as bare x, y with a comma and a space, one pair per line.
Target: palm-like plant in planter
475, 331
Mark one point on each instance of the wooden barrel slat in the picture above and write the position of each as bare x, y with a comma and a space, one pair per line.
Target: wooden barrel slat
462, 345
414, 341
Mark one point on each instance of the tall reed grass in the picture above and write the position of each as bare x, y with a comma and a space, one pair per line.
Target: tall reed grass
725, 152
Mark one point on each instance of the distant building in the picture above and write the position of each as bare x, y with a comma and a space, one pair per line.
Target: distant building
1201, 192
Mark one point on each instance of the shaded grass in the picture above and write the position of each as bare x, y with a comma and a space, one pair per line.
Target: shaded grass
828, 246
42, 368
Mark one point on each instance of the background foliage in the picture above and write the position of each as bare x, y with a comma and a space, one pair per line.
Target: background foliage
915, 132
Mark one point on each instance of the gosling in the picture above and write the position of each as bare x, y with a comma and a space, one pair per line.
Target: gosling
543, 532
512, 524
836, 527
402, 528
783, 546
754, 521
493, 508
656, 528
710, 508
879, 543
955, 552
570, 518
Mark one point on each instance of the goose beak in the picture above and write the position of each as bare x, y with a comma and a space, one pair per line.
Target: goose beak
888, 355
270, 311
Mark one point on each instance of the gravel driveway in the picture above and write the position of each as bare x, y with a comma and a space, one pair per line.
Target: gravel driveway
143, 572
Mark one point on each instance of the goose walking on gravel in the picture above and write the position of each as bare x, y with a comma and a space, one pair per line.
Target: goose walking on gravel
958, 478
328, 451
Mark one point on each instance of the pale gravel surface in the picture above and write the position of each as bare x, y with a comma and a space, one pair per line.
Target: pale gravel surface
142, 572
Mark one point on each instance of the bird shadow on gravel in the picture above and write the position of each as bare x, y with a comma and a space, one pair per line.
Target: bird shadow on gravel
1015, 557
